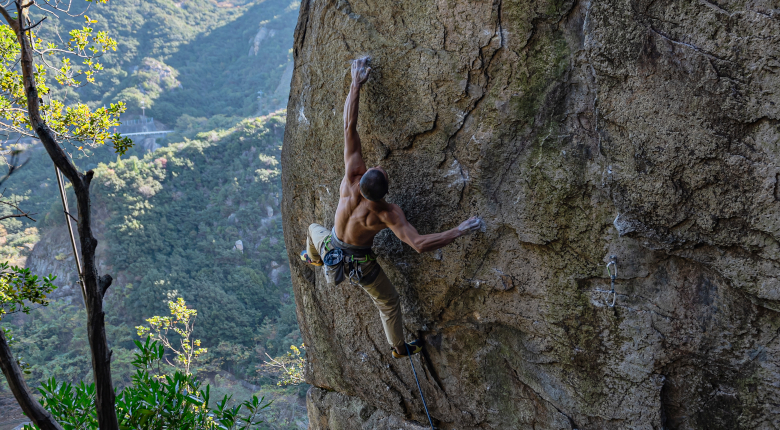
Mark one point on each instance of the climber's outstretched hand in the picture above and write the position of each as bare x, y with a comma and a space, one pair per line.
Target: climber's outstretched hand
470, 225
360, 71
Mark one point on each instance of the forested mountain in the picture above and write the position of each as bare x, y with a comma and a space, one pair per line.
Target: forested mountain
193, 57
202, 218
198, 218
195, 65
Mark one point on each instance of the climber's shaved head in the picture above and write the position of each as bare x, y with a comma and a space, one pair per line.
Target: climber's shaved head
374, 184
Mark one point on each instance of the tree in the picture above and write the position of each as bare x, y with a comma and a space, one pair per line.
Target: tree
289, 368
24, 112
182, 323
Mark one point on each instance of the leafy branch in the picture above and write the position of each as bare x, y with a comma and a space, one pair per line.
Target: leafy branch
78, 124
290, 367
182, 322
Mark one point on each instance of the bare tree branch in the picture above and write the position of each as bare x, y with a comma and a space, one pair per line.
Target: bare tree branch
21, 214
8, 18
12, 168
36, 24
16, 216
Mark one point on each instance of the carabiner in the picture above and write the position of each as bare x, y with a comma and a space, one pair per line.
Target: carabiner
355, 275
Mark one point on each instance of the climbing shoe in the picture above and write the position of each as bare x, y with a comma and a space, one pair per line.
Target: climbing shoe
305, 258
413, 347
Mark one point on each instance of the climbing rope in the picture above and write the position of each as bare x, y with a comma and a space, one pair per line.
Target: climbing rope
612, 276
418, 386
68, 216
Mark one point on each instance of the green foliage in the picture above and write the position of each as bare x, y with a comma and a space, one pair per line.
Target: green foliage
290, 367
171, 219
182, 322
152, 80
194, 63
72, 405
77, 122
152, 402
53, 341
215, 50
19, 289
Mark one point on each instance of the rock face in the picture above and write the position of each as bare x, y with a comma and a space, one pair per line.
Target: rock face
647, 130
53, 254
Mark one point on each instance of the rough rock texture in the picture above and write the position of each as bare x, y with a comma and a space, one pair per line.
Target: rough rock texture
644, 129
53, 254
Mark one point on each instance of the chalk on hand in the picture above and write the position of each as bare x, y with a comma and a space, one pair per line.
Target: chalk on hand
365, 57
482, 224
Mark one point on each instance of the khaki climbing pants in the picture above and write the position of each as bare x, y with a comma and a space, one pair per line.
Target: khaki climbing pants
381, 290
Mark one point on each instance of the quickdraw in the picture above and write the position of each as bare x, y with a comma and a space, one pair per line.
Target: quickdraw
612, 276
355, 274
356, 271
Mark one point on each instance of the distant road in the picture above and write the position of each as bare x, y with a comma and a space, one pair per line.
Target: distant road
154, 134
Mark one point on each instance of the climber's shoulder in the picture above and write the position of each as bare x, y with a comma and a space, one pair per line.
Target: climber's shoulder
350, 186
391, 215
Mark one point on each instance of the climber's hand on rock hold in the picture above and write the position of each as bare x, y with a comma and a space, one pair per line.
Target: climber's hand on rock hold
360, 71
470, 225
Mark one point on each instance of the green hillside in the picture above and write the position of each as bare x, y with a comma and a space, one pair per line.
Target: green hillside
175, 218
211, 48
194, 57
169, 221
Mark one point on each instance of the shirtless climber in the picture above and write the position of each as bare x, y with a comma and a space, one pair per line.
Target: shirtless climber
361, 214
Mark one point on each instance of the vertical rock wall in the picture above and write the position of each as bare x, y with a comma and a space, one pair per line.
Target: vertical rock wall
644, 129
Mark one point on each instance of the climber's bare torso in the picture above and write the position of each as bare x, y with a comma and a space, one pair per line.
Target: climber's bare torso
358, 219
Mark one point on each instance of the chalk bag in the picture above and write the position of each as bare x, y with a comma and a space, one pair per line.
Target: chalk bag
334, 266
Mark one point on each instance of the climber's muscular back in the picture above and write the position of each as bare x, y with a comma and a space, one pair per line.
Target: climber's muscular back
358, 219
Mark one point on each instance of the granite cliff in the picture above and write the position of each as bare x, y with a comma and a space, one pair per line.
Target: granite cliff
644, 129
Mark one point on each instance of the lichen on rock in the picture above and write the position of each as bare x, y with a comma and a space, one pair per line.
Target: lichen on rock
579, 130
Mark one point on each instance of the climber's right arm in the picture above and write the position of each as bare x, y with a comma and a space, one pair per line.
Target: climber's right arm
353, 152
397, 222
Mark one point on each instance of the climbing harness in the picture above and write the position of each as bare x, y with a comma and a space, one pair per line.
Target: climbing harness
68, 216
339, 262
612, 276
418, 386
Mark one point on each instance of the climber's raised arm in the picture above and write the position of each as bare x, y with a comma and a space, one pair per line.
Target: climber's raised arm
396, 221
353, 153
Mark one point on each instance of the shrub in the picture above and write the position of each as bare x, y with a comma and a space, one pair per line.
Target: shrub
153, 401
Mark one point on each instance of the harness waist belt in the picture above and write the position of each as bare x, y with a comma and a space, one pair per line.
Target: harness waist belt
360, 254
354, 254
